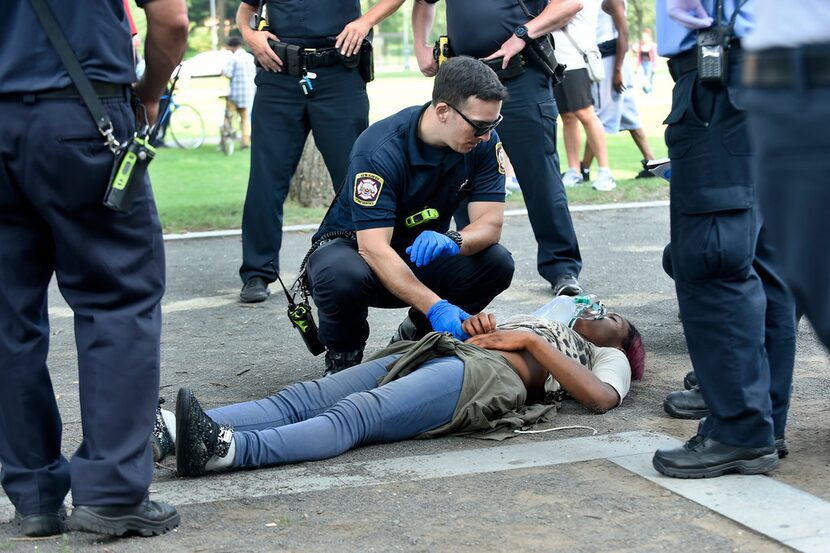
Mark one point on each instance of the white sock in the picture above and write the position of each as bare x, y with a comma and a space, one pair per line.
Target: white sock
169, 418
219, 463
604, 170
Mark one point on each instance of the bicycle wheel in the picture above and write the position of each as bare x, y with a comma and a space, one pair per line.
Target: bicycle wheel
187, 127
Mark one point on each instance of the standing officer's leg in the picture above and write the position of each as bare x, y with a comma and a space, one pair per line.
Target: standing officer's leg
529, 136
35, 475
110, 270
279, 132
714, 228
338, 113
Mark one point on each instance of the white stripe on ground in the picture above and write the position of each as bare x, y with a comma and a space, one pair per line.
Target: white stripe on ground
776, 510
508, 213
172, 307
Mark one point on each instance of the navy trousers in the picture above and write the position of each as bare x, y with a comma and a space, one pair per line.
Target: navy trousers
309, 421
109, 266
528, 134
344, 287
727, 299
793, 173
281, 119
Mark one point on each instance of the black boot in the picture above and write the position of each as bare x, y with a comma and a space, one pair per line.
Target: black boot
336, 361
703, 457
406, 331
41, 525
690, 380
148, 518
198, 437
686, 404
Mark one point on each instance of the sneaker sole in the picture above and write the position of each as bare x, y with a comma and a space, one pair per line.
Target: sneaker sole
761, 465
689, 414
84, 521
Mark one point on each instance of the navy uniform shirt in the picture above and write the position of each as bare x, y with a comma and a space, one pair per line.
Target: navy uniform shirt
97, 30
478, 28
393, 175
309, 22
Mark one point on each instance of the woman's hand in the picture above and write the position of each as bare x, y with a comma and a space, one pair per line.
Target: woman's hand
504, 340
482, 323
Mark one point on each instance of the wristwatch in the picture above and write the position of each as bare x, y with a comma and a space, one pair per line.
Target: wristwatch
521, 32
455, 236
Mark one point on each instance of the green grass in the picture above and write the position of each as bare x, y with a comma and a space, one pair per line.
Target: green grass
205, 190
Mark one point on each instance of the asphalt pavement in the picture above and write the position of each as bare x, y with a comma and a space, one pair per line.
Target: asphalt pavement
557, 491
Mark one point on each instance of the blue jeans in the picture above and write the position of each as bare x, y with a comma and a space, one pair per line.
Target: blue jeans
315, 420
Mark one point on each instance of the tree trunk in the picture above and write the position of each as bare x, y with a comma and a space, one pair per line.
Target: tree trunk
311, 185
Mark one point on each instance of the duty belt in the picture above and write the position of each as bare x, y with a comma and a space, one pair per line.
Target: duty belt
515, 67
788, 68
321, 57
102, 90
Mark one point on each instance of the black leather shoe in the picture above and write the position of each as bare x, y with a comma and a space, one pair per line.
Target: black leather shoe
781, 447
336, 361
686, 404
690, 380
566, 285
41, 525
706, 458
406, 331
198, 437
254, 291
148, 518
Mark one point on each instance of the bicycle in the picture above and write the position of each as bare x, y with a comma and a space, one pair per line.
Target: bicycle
229, 131
187, 128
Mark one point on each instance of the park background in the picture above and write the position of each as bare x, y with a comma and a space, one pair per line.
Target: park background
203, 189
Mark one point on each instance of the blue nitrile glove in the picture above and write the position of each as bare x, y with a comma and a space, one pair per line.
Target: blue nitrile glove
446, 317
429, 246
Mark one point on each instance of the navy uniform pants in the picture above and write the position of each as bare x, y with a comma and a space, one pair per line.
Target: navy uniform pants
738, 317
109, 267
344, 287
281, 119
789, 129
528, 134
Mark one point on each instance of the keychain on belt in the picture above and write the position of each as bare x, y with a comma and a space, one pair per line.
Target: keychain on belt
306, 84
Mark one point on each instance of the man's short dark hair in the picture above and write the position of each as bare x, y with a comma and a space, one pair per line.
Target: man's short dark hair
234, 41
461, 77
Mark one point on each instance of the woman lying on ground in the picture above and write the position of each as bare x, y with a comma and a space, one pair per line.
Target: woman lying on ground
502, 377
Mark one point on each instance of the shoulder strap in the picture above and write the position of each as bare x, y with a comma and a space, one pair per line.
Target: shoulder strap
580, 50
76, 73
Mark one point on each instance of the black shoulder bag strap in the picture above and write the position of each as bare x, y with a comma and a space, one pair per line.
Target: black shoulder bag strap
76, 73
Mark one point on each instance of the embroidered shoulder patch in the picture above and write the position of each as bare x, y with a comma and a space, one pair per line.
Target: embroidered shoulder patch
367, 189
500, 155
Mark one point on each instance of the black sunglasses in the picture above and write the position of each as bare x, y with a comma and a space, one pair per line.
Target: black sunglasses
480, 128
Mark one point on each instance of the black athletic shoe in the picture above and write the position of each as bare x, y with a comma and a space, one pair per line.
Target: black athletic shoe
585, 172
690, 380
41, 525
161, 441
566, 285
148, 518
254, 291
686, 404
198, 437
645, 173
706, 458
406, 331
336, 361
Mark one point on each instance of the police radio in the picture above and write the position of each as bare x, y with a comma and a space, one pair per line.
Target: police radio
300, 316
713, 47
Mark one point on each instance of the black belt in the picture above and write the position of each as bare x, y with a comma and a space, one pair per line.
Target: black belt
515, 67
102, 90
321, 57
607, 48
685, 62
788, 67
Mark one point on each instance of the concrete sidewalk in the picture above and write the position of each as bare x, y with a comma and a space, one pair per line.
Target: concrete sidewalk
428, 495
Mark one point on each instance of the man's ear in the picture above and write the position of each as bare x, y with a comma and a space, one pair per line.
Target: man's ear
442, 111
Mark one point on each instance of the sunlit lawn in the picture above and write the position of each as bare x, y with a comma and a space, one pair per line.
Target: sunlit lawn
204, 189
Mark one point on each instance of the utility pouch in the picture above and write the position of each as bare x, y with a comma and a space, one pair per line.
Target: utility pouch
540, 51
366, 65
290, 56
713, 54
128, 173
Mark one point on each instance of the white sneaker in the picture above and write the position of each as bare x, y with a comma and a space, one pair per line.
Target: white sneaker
571, 178
604, 181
